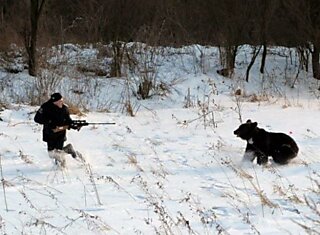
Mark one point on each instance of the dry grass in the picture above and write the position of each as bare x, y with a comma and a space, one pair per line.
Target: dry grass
132, 159
75, 110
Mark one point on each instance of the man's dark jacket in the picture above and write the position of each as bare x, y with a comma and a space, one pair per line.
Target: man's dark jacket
51, 116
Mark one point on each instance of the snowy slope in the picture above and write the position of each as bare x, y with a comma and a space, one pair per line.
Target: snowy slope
169, 169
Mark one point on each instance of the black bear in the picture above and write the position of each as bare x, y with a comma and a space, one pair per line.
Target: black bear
261, 144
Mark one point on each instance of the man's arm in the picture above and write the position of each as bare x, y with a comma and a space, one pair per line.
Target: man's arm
60, 128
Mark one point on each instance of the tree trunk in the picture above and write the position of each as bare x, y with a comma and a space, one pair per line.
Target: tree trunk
2, 15
31, 39
263, 59
117, 59
255, 53
228, 59
231, 57
315, 62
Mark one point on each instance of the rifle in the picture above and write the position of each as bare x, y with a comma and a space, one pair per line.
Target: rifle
77, 124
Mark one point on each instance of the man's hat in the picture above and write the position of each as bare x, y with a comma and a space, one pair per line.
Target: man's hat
55, 97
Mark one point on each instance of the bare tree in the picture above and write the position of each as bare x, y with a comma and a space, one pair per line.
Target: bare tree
31, 33
255, 53
306, 17
234, 16
2, 11
267, 8
314, 17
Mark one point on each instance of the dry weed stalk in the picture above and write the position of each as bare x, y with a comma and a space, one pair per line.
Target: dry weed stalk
312, 220
316, 183
25, 157
127, 106
91, 179
188, 101
95, 223
289, 193
245, 216
207, 217
45, 83
3, 185
162, 172
145, 69
288, 190
168, 224
24, 180
207, 105
109, 179
314, 226
263, 198
2, 225
29, 202
44, 225
182, 220
133, 161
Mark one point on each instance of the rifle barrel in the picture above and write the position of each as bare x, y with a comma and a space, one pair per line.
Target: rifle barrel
101, 123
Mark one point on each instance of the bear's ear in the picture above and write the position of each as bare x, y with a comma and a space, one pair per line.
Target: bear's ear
254, 124
248, 121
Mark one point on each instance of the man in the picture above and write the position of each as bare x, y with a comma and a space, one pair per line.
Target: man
55, 118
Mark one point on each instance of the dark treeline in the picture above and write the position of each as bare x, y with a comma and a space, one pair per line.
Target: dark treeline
226, 23
166, 22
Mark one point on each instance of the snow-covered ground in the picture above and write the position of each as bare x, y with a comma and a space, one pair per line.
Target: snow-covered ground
173, 168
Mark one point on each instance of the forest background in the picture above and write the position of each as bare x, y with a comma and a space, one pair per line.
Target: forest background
226, 24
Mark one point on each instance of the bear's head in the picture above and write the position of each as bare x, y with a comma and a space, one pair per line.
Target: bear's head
246, 130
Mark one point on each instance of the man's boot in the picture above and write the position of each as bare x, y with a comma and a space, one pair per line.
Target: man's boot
75, 154
70, 150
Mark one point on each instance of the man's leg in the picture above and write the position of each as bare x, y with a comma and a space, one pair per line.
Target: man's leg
56, 153
75, 154
56, 144
70, 150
